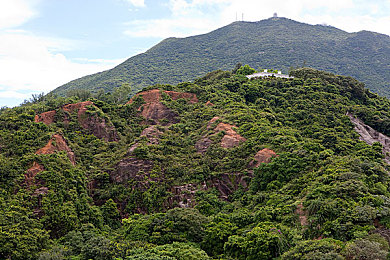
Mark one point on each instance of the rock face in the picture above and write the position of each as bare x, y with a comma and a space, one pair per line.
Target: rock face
56, 144
226, 184
203, 144
262, 156
184, 195
131, 169
231, 138
152, 134
156, 112
29, 176
46, 117
212, 121
177, 95
370, 135
92, 123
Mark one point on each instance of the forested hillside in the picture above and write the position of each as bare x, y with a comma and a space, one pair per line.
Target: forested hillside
278, 43
220, 168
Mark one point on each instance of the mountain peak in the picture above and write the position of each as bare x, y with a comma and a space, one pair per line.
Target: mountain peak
276, 42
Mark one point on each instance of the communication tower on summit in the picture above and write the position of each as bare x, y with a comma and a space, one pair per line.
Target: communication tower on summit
275, 15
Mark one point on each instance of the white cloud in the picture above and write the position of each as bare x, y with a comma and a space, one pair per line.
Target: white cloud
28, 65
31, 64
15, 12
13, 94
137, 3
191, 17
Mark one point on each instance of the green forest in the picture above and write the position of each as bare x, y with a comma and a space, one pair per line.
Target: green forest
219, 168
278, 43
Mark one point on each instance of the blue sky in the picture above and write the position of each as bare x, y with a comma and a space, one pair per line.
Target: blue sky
46, 43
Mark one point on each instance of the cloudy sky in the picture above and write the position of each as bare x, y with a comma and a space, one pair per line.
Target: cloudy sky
46, 43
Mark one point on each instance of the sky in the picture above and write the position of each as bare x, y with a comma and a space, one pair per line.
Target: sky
47, 43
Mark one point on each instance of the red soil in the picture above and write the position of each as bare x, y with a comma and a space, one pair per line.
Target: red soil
56, 144
231, 138
47, 117
153, 110
60, 145
262, 156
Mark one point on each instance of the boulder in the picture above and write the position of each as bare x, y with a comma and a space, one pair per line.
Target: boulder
263, 156
156, 112
92, 123
231, 138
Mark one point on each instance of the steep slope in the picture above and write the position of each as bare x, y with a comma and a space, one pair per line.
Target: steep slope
222, 168
277, 43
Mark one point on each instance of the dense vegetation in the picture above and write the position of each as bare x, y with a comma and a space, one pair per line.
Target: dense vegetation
279, 43
326, 195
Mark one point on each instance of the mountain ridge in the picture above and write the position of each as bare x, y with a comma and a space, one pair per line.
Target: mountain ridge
279, 43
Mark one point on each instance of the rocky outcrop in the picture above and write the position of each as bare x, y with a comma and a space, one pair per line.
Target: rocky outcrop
231, 138
92, 123
131, 168
177, 95
263, 156
80, 107
228, 183
152, 134
29, 176
56, 144
99, 128
156, 112
370, 135
212, 121
47, 117
184, 195
203, 144
154, 96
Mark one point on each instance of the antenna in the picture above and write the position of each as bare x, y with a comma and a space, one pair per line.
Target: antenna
236, 16
242, 16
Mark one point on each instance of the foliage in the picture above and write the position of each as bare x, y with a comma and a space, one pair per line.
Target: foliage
278, 43
315, 249
155, 196
245, 70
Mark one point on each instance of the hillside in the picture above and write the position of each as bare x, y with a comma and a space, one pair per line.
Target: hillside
221, 168
278, 43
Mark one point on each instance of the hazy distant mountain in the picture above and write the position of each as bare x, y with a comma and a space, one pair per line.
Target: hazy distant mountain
277, 43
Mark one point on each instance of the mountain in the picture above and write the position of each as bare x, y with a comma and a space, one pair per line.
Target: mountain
277, 43
221, 168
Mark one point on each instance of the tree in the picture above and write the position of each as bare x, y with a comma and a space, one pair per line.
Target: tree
263, 242
21, 236
110, 214
121, 94
245, 70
